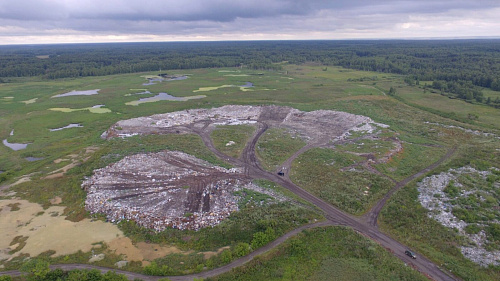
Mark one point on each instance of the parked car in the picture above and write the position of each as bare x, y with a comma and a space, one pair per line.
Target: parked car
410, 254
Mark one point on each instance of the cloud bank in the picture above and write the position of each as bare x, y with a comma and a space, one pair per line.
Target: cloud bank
61, 21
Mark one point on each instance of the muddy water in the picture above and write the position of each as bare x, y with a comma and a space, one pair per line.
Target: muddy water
161, 96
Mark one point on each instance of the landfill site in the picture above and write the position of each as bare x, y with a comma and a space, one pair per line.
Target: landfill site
432, 197
174, 189
166, 189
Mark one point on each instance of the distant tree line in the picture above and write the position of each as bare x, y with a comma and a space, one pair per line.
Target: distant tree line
460, 67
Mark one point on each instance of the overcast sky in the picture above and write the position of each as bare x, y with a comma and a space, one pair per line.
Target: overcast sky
74, 21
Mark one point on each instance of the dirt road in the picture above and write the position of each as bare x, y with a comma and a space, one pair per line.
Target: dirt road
336, 216
372, 216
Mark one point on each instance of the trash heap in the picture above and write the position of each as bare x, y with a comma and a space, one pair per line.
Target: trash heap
167, 189
320, 126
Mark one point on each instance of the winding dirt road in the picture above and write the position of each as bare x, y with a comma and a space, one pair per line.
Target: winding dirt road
366, 225
334, 215
372, 216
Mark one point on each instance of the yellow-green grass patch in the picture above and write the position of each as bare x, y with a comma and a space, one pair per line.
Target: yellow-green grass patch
98, 110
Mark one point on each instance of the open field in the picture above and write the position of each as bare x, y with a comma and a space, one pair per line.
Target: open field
487, 116
351, 175
231, 140
276, 146
325, 254
328, 175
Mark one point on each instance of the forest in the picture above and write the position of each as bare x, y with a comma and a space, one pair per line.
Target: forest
462, 68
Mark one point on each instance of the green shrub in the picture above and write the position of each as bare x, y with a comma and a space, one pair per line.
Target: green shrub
241, 249
36, 269
494, 231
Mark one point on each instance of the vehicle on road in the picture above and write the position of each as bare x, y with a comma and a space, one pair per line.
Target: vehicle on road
410, 254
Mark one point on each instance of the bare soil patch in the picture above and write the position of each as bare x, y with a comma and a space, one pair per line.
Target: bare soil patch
56, 200
48, 232
147, 252
142, 251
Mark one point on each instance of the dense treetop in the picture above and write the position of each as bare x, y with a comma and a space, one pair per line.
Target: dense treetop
457, 66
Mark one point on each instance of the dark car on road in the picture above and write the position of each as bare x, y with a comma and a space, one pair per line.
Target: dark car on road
410, 254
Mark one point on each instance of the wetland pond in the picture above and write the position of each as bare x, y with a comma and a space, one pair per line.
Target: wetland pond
72, 125
94, 109
78, 93
164, 96
32, 159
14, 146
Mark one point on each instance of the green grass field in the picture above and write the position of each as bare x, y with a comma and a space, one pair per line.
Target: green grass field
412, 159
276, 146
331, 253
232, 139
487, 116
321, 171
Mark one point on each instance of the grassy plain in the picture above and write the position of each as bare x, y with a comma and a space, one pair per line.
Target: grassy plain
25, 105
231, 139
331, 253
412, 159
275, 146
322, 172
456, 109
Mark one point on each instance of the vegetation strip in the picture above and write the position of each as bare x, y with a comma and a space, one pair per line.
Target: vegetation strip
205, 274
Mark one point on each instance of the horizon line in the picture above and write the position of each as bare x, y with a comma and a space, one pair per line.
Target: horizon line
266, 40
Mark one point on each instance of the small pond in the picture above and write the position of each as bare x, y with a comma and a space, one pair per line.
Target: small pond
15, 146
140, 93
32, 159
72, 125
247, 85
163, 96
94, 109
79, 93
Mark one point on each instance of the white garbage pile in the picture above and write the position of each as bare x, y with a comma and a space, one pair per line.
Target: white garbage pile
318, 126
433, 198
166, 189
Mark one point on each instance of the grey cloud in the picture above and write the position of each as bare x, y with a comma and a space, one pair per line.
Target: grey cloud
214, 17
216, 10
